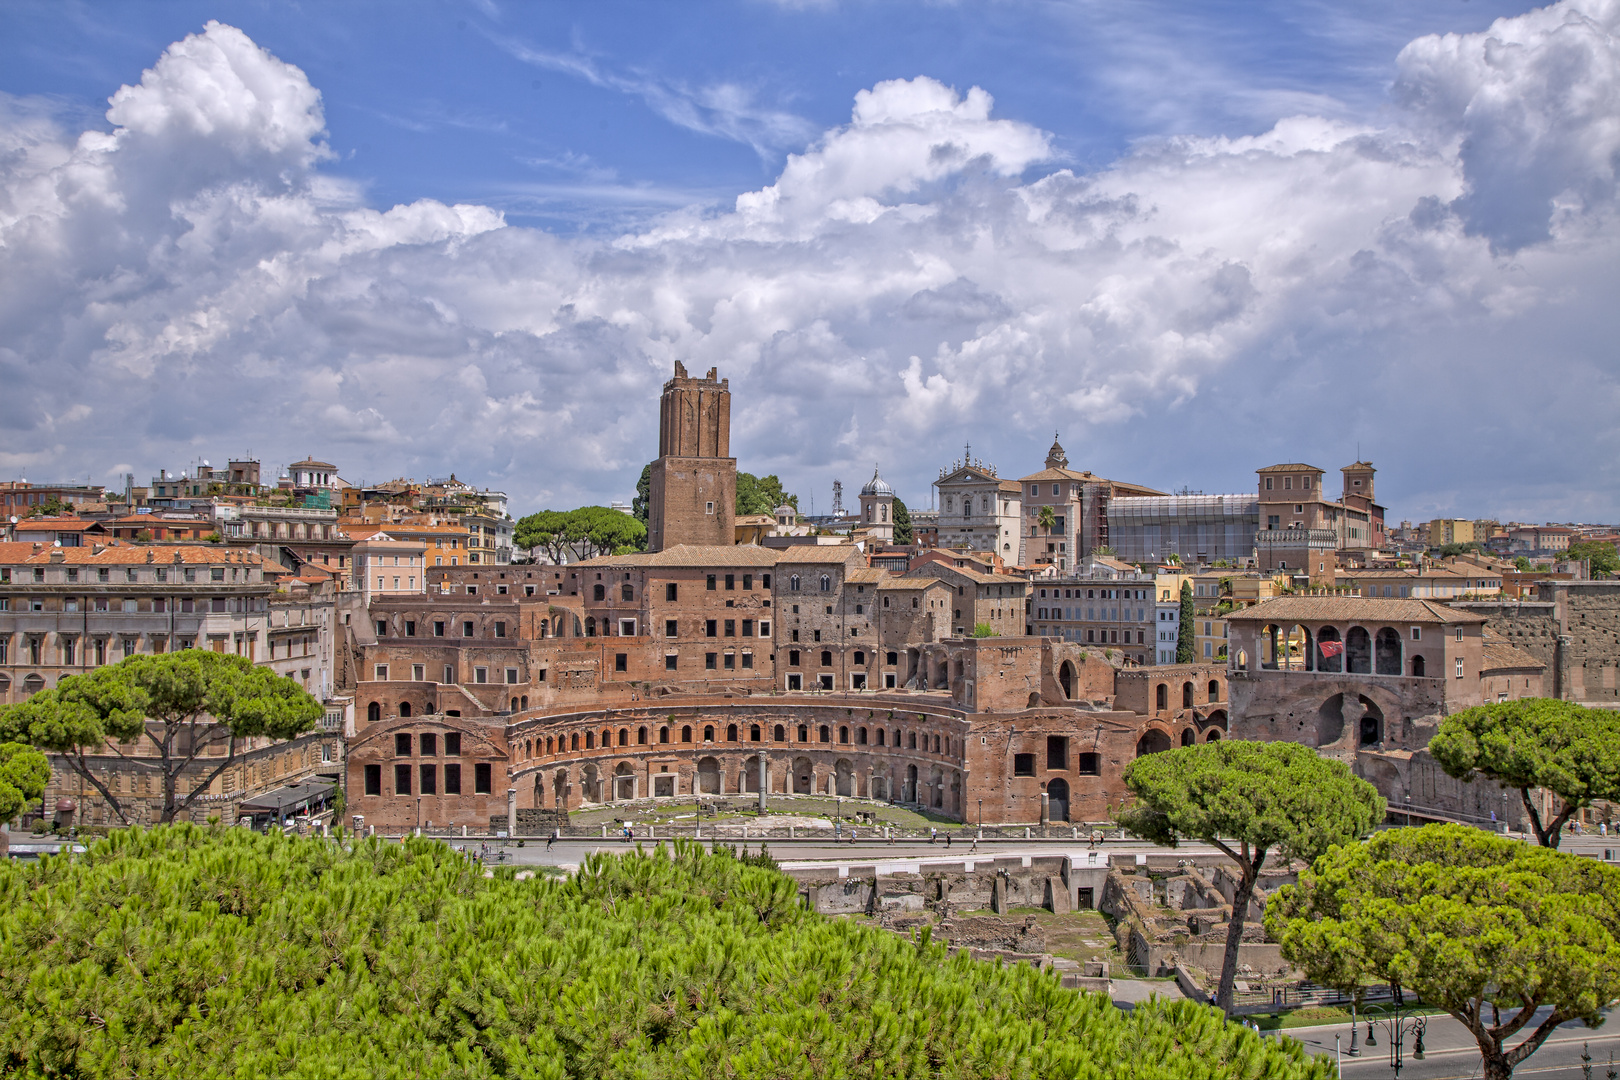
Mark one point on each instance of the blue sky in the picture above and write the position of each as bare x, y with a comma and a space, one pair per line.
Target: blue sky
1195, 239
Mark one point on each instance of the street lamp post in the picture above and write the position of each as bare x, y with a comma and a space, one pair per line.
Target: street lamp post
1397, 1028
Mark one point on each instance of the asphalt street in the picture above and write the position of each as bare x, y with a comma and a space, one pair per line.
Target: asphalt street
1452, 1054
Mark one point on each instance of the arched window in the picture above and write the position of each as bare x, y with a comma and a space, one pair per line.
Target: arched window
826, 583
523, 702
590, 740
1187, 738
860, 736
663, 734
1162, 697
573, 741
607, 737
1417, 666
780, 733
404, 708
793, 582
804, 733
590, 625
708, 733
373, 711
1214, 690
880, 734
911, 741
753, 733
860, 658
843, 734
641, 736
731, 733
826, 735
512, 706
1186, 695
686, 734
626, 592
549, 745
936, 744
599, 592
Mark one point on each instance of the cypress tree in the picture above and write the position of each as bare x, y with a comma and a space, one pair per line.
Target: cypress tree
1185, 653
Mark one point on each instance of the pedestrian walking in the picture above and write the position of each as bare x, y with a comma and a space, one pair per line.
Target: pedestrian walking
947, 841
933, 834
552, 839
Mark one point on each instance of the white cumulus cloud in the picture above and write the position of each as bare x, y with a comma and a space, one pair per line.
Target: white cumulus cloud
1431, 285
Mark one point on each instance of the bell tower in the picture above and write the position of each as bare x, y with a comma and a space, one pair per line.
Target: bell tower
693, 496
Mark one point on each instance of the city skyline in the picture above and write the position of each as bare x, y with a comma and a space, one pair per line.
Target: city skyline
1189, 253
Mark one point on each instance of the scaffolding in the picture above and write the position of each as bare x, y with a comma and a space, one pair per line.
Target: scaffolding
1195, 528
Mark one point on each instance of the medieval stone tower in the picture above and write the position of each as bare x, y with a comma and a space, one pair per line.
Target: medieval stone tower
693, 499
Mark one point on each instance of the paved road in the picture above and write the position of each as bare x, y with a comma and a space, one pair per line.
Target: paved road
1453, 1054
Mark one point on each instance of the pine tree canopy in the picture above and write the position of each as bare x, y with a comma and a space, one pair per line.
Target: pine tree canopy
1565, 748
197, 951
1487, 928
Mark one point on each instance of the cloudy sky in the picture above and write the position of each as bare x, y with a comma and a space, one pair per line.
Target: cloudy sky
1194, 239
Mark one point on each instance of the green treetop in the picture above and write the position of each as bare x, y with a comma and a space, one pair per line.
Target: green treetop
1248, 799
1486, 928
574, 535
182, 702
1186, 652
902, 522
1571, 751
640, 505
189, 951
762, 494
1603, 559
24, 772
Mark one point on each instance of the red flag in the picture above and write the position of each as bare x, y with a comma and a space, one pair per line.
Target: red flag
1331, 648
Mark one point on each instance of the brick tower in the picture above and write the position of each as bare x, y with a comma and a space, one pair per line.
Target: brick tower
694, 481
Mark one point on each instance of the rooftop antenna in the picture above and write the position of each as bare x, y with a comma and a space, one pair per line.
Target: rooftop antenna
838, 498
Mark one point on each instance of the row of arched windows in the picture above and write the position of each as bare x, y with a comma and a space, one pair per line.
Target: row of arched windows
1161, 694
858, 735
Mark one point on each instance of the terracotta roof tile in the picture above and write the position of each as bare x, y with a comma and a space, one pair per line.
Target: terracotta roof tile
1350, 609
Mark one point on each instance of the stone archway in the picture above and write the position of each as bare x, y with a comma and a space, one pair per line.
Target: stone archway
624, 782
708, 776
589, 783
559, 788
803, 776
844, 773
1387, 652
910, 792
1152, 742
1329, 727
1066, 679
1057, 800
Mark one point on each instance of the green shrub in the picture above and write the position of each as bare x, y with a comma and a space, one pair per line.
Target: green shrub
188, 951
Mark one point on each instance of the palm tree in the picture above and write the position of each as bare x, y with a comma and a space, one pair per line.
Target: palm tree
1046, 519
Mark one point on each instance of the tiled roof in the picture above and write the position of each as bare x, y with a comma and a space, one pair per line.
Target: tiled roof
816, 553
1295, 467
866, 575
19, 552
1500, 653
1056, 474
54, 525
700, 555
1281, 609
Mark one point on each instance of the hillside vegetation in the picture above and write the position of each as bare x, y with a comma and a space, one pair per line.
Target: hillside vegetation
193, 951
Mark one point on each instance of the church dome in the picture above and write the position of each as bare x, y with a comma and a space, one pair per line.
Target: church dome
877, 486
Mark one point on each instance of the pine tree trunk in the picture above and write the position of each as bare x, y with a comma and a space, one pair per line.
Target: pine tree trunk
1234, 938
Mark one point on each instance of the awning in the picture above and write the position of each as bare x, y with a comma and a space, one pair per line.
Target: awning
292, 799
